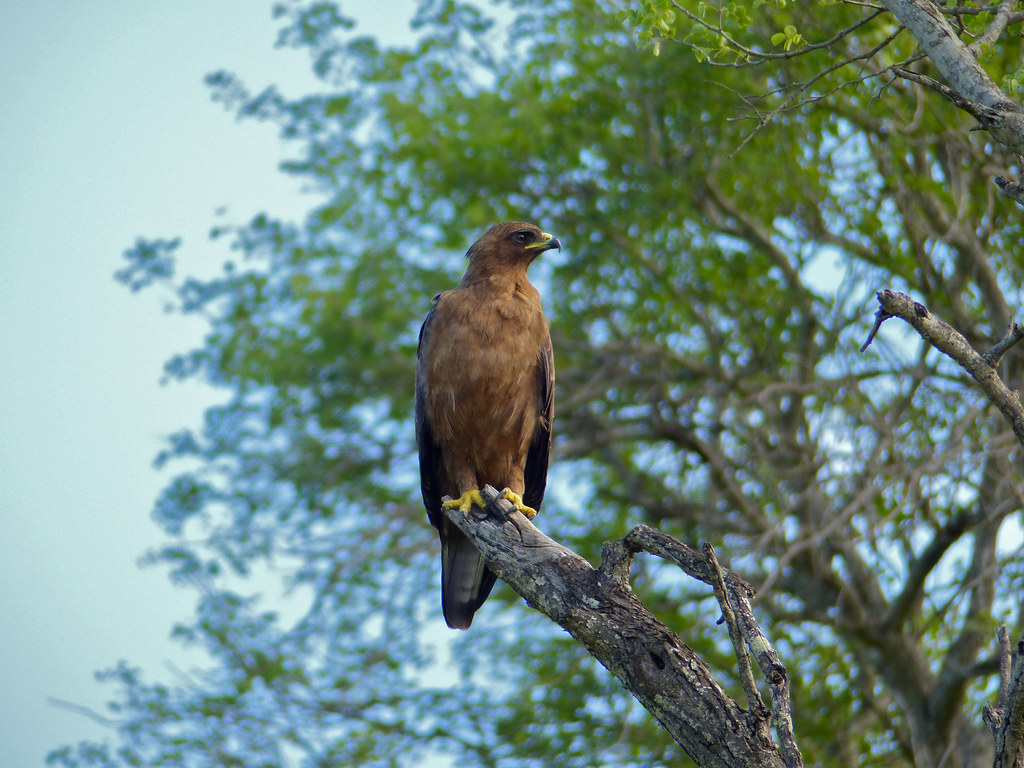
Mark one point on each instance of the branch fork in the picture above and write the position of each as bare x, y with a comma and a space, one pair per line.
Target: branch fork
1006, 720
599, 609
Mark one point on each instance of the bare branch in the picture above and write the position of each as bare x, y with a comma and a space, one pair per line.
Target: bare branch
1014, 333
947, 340
880, 317
647, 539
754, 700
1007, 720
597, 607
1005, 663
1010, 188
979, 583
922, 566
80, 709
976, 110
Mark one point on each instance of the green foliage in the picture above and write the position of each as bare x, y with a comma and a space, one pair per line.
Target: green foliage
706, 312
653, 20
148, 262
788, 38
1014, 84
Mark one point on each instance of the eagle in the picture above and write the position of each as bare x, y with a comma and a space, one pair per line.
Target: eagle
485, 381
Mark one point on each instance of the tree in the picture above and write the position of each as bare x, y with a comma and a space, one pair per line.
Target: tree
719, 278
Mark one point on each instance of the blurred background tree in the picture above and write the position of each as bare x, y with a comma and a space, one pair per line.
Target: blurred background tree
725, 229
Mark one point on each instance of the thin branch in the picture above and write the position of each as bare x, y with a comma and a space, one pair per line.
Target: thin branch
754, 700
979, 583
880, 317
748, 228
762, 56
922, 566
643, 538
1010, 188
803, 87
79, 709
950, 342
961, 10
1014, 333
980, 112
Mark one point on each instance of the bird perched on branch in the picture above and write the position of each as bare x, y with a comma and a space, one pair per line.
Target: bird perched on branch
485, 380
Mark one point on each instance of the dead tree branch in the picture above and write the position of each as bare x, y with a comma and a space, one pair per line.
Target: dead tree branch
737, 594
598, 608
949, 341
1007, 719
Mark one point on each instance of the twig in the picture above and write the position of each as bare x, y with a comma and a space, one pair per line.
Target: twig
80, 709
880, 317
754, 700
1014, 333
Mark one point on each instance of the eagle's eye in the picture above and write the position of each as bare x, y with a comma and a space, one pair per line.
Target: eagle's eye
522, 237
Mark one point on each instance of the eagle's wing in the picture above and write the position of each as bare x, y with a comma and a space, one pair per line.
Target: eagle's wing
536, 474
430, 454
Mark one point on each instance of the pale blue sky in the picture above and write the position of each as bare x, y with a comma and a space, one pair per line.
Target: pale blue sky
107, 133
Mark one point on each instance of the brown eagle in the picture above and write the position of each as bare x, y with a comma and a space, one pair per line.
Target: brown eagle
485, 381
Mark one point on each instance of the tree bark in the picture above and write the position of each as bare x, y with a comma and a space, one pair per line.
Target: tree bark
972, 89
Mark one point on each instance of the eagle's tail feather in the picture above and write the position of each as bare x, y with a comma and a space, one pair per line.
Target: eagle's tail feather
465, 579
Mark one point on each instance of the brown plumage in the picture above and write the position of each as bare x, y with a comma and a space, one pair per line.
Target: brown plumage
484, 400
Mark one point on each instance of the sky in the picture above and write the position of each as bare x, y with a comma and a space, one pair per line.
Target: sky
107, 134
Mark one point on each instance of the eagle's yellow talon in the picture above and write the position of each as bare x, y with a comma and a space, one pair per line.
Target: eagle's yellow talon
517, 501
465, 502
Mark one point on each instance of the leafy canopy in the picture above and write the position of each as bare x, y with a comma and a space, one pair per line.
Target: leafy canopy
724, 229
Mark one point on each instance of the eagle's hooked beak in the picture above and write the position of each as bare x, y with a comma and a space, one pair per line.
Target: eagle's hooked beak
546, 243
